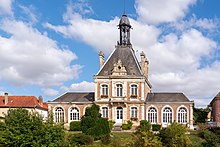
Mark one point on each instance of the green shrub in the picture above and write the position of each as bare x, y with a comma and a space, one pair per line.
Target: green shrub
156, 127
211, 139
111, 124
127, 126
93, 124
106, 139
145, 125
81, 139
75, 126
175, 136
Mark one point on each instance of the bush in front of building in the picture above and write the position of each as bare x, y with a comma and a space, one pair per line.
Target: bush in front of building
156, 127
75, 126
145, 125
127, 126
174, 135
211, 139
111, 124
81, 139
93, 124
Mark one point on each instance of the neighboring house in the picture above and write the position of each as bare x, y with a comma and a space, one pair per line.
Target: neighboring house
123, 91
31, 103
215, 110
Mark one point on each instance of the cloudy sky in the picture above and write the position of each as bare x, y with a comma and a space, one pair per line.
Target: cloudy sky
50, 47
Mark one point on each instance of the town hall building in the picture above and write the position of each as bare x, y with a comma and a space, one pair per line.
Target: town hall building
123, 91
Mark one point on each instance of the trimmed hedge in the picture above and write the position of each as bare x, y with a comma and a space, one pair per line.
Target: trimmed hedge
75, 126
156, 127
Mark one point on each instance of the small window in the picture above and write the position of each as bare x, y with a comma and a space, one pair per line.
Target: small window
74, 114
134, 90
119, 90
133, 112
105, 112
59, 115
104, 90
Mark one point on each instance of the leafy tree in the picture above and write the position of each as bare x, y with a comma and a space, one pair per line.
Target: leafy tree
200, 114
175, 136
24, 128
93, 124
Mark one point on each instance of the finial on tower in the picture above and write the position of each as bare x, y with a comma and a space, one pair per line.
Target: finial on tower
124, 9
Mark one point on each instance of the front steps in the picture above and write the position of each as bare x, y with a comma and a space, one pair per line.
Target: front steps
117, 127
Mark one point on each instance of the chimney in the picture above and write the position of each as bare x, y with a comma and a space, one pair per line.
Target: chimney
101, 59
143, 59
6, 98
40, 100
146, 68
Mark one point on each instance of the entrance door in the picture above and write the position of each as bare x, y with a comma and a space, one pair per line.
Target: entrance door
119, 115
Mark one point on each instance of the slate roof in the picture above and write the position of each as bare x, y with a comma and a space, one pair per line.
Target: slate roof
22, 102
166, 97
76, 97
129, 60
215, 98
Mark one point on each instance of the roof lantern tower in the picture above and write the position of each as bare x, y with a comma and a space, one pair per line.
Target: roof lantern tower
124, 27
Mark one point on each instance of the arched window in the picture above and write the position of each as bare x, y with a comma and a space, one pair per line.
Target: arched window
133, 90
104, 90
152, 115
119, 90
105, 112
74, 114
59, 115
167, 115
182, 115
133, 112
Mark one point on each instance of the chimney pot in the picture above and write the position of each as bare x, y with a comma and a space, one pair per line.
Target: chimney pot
6, 98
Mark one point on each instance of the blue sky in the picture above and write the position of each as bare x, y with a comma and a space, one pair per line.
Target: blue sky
51, 47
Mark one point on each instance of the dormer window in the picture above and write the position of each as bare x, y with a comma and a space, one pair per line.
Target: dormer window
119, 90
104, 90
133, 90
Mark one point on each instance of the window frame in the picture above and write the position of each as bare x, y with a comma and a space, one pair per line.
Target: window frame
134, 112
74, 116
119, 90
152, 115
167, 117
104, 112
104, 90
182, 116
134, 90
59, 115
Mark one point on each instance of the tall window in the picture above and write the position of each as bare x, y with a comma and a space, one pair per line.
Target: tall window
133, 112
152, 115
104, 89
119, 90
167, 115
59, 115
74, 114
105, 112
133, 90
182, 115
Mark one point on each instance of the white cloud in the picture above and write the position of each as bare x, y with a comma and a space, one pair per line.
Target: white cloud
6, 7
50, 92
30, 57
159, 11
82, 86
30, 13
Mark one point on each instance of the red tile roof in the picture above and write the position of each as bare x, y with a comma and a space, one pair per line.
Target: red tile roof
23, 101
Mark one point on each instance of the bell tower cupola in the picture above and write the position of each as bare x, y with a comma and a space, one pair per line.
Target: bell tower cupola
124, 27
